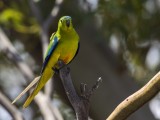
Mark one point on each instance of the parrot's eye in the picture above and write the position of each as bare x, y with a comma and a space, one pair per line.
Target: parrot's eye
61, 21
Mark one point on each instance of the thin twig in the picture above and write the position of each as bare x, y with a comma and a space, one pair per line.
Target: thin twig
136, 100
12, 110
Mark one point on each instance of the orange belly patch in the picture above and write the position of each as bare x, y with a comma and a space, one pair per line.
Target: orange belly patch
67, 59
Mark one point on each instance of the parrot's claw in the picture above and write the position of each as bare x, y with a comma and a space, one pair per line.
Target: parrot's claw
55, 70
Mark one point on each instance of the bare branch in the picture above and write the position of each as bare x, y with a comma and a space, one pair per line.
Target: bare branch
79, 103
13, 111
136, 100
75, 100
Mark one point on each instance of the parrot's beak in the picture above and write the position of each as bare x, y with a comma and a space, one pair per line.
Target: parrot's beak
67, 23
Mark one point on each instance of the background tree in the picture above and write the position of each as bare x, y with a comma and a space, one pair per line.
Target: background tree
119, 42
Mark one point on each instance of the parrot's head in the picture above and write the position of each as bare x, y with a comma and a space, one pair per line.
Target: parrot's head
65, 23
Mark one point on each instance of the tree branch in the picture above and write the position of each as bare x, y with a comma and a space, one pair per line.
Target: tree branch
13, 111
136, 100
79, 103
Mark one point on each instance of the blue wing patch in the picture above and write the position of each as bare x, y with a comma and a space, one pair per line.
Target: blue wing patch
54, 44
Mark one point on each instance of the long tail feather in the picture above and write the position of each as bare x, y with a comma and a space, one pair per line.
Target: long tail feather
26, 89
47, 74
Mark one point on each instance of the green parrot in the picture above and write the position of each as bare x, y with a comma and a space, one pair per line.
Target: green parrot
64, 45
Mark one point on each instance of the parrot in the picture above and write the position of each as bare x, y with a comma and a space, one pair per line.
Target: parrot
64, 45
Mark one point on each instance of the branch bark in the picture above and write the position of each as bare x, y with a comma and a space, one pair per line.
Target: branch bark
136, 100
13, 111
80, 103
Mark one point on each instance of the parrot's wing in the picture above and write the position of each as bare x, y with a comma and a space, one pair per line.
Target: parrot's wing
46, 72
53, 43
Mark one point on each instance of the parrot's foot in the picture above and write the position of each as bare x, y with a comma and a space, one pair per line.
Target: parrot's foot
62, 65
55, 70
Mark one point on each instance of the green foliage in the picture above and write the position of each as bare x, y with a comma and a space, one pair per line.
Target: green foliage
18, 20
10, 15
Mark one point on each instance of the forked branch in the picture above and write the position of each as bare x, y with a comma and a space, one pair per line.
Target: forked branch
79, 103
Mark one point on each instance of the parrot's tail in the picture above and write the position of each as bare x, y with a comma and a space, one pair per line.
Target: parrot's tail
46, 75
26, 89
